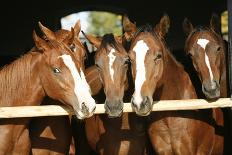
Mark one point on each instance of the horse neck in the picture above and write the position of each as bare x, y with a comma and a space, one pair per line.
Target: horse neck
93, 79
175, 82
170, 64
20, 83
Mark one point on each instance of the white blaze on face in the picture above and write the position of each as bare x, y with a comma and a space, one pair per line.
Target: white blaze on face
111, 62
140, 49
203, 43
81, 88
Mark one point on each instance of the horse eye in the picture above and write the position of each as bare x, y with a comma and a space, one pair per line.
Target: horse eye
190, 55
73, 47
56, 70
159, 56
127, 61
98, 67
219, 48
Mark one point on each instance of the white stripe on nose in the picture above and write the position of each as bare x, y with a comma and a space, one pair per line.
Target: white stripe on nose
111, 62
209, 67
140, 49
81, 88
203, 43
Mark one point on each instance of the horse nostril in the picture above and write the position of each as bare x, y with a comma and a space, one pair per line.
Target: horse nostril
133, 103
84, 108
83, 104
145, 99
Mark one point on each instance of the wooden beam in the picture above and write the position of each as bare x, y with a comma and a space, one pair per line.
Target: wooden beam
164, 105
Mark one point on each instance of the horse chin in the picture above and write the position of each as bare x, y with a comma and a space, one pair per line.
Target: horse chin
110, 115
142, 113
81, 115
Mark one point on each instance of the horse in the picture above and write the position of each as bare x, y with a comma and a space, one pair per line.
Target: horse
46, 133
158, 76
207, 50
49, 69
114, 132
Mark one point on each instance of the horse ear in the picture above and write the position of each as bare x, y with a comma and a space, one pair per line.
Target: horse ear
39, 43
215, 23
71, 36
77, 27
187, 26
93, 40
50, 35
129, 28
163, 26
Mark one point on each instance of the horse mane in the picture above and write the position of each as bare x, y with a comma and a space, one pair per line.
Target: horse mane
16, 75
145, 28
108, 39
198, 28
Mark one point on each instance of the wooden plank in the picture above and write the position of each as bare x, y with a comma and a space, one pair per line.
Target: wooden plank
164, 105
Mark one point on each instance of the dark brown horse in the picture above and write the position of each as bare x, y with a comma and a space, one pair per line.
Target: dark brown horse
122, 133
157, 76
50, 69
47, 133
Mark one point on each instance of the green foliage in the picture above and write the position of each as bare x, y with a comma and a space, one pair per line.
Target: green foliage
101, 23
224, 22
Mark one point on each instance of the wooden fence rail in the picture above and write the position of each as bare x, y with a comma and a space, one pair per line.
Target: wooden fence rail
164, 105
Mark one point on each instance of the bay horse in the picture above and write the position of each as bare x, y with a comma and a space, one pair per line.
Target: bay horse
118, 133
49, 69
158, 76
46, 133
207, 50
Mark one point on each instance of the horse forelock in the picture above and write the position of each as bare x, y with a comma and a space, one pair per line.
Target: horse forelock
62, 34
109, 40
149, 29
197, 29
145, 28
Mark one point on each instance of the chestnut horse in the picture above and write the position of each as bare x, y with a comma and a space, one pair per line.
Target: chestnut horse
206, 48
50, 69
122, 133
46, 133
158, 76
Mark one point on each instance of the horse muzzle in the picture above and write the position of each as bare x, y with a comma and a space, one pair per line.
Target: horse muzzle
114, 108
144, 108
85, 111
211, 89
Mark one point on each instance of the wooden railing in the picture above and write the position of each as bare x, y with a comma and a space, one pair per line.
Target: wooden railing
164, 105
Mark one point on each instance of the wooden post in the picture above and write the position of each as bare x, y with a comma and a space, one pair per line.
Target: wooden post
229, 8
